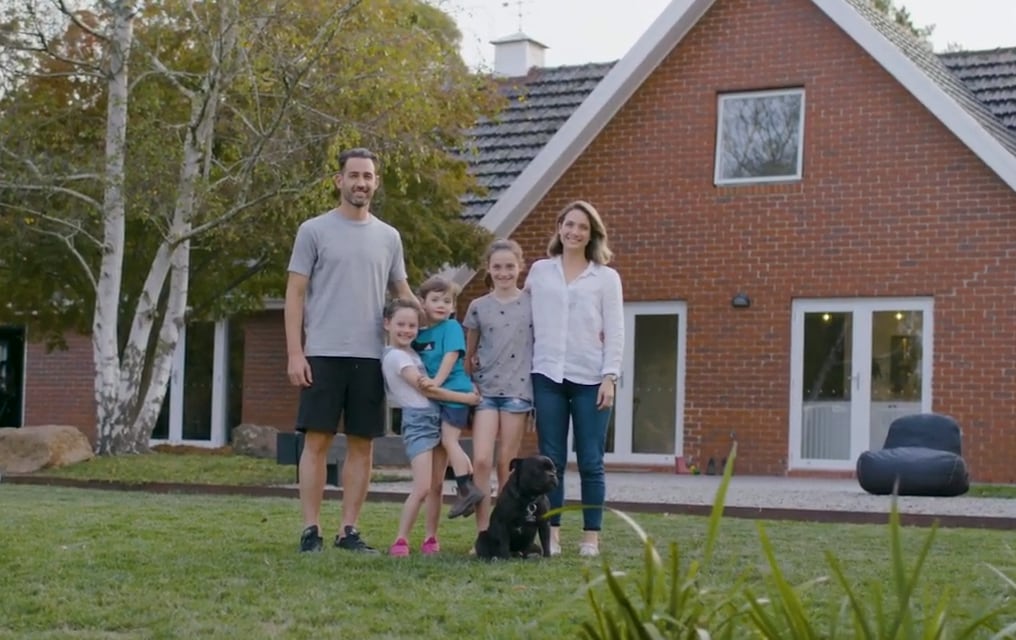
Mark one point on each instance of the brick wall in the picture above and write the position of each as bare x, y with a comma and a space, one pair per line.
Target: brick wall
891, 204
59, 384
268, 398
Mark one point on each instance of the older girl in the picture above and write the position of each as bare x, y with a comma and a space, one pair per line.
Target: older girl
499, 356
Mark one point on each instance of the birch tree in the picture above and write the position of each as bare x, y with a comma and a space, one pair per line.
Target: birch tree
136, 137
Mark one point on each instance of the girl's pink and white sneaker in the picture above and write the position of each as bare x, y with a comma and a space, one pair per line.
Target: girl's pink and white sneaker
430, 546
400, 549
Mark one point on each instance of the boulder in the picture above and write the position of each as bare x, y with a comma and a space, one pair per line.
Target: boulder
256, 441
29, 449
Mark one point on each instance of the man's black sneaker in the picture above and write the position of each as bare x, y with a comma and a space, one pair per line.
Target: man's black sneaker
350, 540
310, 540
469, 496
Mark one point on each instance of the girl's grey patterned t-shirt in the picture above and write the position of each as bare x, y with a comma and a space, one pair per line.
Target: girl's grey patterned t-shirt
505, 348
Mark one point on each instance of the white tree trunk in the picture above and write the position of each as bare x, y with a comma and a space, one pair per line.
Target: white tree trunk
112, 426
141, 404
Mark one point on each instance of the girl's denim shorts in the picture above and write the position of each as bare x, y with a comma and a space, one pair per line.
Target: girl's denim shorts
421, 429
508, 405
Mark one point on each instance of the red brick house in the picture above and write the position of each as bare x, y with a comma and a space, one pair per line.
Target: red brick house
814, 218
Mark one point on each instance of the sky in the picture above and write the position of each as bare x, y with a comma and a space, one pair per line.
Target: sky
580, 31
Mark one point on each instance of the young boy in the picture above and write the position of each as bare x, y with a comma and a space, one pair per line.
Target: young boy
442, 346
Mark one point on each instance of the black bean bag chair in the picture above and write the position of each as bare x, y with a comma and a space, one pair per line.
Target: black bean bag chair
923, 453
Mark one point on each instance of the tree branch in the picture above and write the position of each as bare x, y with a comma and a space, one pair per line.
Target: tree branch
235, 211
74, 193
67, 239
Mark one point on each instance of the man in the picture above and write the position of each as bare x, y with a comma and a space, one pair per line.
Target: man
342, 263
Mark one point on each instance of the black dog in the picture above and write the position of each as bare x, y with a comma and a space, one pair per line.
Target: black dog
519, 514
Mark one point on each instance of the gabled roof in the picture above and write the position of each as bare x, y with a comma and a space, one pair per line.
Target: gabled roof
538, 105
518, 178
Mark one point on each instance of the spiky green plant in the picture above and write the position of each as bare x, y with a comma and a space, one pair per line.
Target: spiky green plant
668, 599
871, 613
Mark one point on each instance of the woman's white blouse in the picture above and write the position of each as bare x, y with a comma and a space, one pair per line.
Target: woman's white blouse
578, 328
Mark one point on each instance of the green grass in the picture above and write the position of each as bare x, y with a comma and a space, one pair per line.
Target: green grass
96, 564
172, 467
191, 468
993, 491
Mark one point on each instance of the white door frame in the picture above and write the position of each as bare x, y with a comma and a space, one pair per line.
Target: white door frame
220, 390
624, 400
860, 400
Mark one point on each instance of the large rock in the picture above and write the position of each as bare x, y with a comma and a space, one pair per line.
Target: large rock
29, 449
254, 440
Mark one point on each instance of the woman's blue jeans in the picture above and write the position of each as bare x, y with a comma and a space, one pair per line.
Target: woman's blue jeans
555, 404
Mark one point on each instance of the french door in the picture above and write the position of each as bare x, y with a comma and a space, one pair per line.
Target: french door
856, 365
203, 400
647, 425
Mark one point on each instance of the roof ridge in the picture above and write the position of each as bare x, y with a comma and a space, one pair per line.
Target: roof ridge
974, 52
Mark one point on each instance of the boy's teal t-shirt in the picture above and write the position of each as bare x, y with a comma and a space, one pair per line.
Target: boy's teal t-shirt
433, 343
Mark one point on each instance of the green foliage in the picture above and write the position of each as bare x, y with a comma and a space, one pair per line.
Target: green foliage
390, 78
901, 16
672, 600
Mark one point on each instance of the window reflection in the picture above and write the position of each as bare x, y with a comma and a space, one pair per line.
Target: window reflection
760, 136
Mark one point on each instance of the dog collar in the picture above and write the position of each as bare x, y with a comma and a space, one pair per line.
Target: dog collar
531, 512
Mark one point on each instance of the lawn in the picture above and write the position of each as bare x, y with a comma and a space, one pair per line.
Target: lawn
209, 467
97, 564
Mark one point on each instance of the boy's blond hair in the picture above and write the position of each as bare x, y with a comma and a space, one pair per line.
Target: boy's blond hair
438, 284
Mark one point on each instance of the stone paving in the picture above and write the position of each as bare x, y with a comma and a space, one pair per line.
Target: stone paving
765, 492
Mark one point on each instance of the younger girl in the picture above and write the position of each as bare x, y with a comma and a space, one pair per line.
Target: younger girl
409, 389
499, 354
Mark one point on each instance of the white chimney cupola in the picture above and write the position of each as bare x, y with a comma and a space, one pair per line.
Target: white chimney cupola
516, 54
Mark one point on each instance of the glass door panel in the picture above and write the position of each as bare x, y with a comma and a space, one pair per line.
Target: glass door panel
654, 384
827, 385
646, 426
897, 345
197, 381
12, 364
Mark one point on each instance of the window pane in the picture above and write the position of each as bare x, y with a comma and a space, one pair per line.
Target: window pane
760, 136
654, 402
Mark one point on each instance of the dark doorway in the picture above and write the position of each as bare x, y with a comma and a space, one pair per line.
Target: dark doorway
12, 375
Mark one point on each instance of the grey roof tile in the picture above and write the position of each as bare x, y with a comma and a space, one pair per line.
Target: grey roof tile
991, 76
538, 104
982, 82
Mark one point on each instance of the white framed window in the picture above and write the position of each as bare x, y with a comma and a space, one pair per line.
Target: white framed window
759, 136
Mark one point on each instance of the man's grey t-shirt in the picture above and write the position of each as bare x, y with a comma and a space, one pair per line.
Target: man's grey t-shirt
505, 347
350, 265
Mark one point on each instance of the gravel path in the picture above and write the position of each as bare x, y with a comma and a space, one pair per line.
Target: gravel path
766, 492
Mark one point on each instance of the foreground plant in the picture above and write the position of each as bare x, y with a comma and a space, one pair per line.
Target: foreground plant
670, 601
872, 612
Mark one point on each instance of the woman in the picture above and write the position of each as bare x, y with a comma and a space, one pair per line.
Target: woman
578, 331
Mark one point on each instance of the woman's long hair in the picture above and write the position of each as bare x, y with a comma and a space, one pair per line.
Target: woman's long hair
597, 250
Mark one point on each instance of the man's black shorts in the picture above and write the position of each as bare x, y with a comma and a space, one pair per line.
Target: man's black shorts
350, 388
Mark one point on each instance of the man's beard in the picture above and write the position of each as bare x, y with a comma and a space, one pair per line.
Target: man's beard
357, 198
